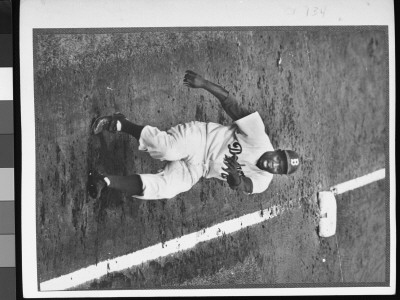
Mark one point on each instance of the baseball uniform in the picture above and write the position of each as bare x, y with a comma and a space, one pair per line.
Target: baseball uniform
197, 149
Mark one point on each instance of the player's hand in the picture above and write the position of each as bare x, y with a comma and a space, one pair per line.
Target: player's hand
193, 80
234, 170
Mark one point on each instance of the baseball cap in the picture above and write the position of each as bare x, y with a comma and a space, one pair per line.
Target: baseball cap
292, 161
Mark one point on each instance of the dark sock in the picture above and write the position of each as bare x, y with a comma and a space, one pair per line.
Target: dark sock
131, 184
131, 128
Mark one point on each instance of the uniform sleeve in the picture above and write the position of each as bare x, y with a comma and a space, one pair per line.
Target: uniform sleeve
251, 125
260, 181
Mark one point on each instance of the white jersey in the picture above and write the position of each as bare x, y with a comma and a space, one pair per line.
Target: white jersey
246, 138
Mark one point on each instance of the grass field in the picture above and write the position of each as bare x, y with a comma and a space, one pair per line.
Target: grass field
327, 100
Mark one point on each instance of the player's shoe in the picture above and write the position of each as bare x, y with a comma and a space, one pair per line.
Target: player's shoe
108, 123
96, 184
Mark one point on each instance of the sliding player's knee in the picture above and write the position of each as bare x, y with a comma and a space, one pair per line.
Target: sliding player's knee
169, 149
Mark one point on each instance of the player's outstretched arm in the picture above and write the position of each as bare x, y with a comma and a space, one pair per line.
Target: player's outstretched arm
229, 103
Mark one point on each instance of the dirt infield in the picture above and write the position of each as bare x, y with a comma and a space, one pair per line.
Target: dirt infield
327, 100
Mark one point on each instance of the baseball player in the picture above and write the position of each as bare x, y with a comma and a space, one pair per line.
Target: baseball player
240, 153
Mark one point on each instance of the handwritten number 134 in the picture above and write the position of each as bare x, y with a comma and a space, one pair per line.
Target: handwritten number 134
313, 11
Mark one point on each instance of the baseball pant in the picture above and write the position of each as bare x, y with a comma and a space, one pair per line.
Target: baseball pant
183, 147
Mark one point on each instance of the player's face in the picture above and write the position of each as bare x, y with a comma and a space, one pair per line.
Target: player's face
272, 162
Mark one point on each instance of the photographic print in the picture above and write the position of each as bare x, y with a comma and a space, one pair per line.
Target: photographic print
211, 157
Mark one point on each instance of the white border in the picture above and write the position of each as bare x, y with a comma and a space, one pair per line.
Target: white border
183, 13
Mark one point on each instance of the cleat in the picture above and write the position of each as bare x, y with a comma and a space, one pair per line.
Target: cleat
96, 184
100, 124
108, 123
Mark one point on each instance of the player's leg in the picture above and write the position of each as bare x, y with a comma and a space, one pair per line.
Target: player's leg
116, 123
131, 184
176, 177
160, 144
179, 142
